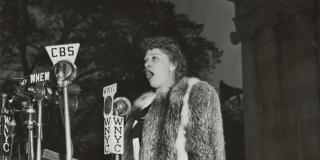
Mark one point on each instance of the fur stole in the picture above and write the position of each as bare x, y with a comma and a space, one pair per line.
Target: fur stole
185, 124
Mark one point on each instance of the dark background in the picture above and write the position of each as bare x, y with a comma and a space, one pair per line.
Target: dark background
110, 33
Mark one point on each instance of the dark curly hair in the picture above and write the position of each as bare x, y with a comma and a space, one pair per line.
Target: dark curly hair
171, 48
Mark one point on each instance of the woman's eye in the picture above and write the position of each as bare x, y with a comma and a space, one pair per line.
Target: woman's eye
154, 58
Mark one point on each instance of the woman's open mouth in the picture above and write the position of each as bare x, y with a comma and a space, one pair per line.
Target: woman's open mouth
149, 74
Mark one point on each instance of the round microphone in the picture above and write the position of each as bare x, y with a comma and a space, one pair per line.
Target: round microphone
64, 70
122, 105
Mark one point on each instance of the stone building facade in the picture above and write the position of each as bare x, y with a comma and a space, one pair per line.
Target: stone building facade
281, 77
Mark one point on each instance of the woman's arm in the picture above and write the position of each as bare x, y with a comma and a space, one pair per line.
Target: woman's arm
204, 132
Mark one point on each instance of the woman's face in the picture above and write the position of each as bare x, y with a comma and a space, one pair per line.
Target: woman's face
159, 69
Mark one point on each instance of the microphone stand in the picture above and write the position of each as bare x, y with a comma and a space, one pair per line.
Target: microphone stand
39, 138
12, 127
3, 99
63, 82
39, 96
67, 120
30, 111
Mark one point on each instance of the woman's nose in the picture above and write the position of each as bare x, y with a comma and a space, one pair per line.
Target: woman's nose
146, 64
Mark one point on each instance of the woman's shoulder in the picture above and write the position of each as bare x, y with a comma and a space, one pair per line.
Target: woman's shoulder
190, 85
205, 87
201, 90
197, 85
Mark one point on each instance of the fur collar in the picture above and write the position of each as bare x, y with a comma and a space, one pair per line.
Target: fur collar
143, 101
176, 95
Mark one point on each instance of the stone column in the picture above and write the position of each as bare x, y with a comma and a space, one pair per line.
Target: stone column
281, 78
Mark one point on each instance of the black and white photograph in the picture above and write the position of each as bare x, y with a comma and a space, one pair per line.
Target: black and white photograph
160, 79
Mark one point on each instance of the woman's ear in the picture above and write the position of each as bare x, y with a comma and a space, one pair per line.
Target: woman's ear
172, 67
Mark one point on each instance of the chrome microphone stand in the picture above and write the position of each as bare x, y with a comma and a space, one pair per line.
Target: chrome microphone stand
39, 138
30, 123
39, 95
3, 99
67, 120
65, 73
12, 126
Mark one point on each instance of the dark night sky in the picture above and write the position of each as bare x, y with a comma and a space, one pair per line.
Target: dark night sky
217, 16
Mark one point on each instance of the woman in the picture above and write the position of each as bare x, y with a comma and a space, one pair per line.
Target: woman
182, 119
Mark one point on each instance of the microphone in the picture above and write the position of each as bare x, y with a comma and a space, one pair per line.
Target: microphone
13, 89
113, 126
122, 106
44, 85
63, 58
64, 70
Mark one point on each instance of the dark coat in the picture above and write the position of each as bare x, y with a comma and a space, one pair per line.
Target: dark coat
185, 125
